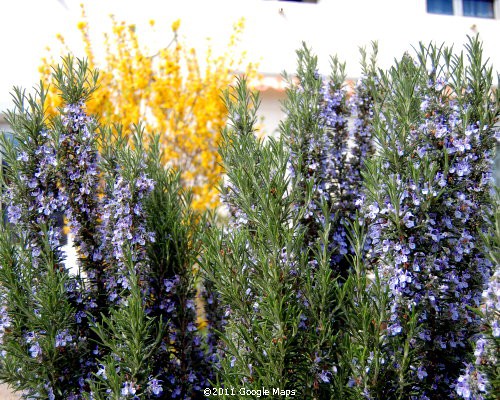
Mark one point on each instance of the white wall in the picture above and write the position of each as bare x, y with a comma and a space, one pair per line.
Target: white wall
270, 110
275, 29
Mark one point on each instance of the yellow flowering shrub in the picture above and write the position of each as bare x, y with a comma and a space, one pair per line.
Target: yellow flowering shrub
171, 92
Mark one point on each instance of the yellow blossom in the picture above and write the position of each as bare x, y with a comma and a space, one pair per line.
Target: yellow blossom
170, 92
175, 25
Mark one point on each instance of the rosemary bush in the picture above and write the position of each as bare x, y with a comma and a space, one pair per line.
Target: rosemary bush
359, 259
356, 255
125, 325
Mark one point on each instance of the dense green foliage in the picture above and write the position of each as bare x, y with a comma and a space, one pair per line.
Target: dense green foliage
359, 258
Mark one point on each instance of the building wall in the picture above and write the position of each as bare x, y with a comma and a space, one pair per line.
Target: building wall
341, 27
274, 30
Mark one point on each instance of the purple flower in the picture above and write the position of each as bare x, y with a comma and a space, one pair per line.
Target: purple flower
79, 160
462, 168
421, 373
394, 329
35, 350
79, 316
102, 372
472, 384
13, 213
373, 210
325, 376
155, 387
63, 338
176, 393
170, 284
440, 197
407, 219
128, 388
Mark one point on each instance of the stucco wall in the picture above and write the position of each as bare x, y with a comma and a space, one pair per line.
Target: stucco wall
274, 30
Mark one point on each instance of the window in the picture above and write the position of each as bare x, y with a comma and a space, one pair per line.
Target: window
301, 1
466, 8
478, 8
440, 7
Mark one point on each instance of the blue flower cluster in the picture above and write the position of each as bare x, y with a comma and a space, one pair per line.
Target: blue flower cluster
318, 158
5, 324
472, 385
335, 179
124, 233
426, 213
474, 381
34, 200
80, 177
491, 301
361, 104
184, 362
327, 157
229, 196
333, 162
